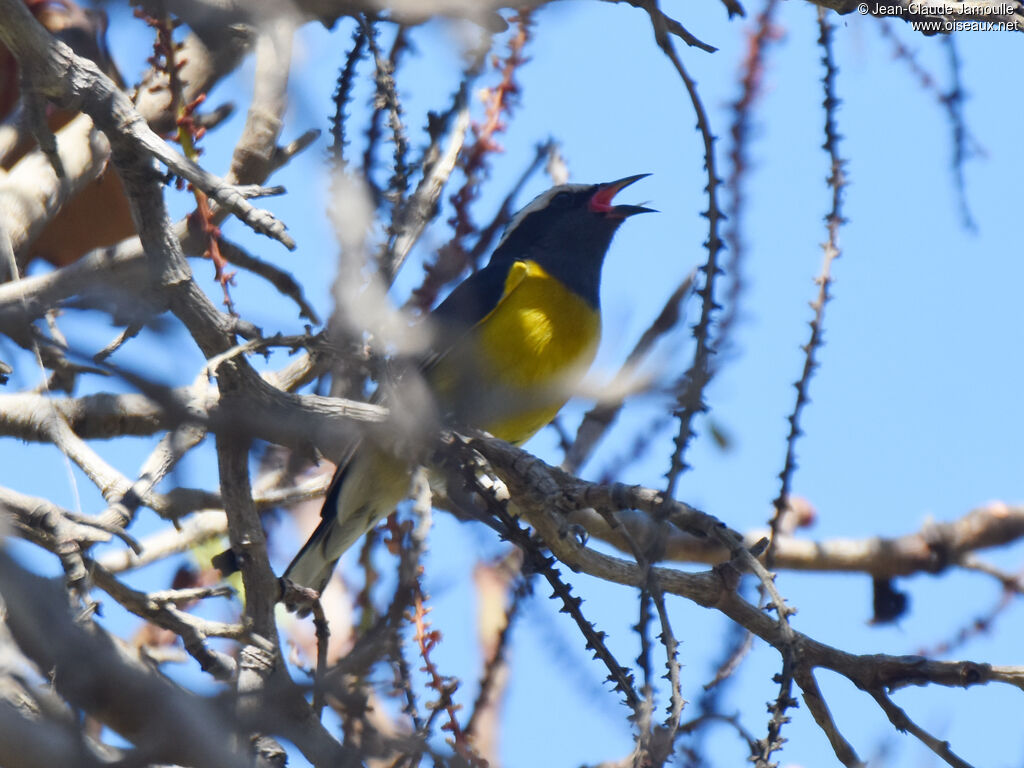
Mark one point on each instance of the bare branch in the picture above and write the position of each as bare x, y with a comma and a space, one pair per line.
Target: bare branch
904, 724
251, 162
95, 674
53, 70
819, 710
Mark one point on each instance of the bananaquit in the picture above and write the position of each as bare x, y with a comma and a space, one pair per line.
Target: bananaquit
513, 341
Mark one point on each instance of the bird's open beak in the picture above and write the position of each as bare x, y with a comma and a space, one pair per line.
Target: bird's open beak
601, 202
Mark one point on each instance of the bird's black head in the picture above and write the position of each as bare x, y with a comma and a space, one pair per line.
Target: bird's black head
567, 230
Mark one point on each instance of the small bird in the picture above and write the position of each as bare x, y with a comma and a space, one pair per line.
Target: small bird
512, 343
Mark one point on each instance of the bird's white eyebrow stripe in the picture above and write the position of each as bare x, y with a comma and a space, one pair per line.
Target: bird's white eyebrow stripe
538, 203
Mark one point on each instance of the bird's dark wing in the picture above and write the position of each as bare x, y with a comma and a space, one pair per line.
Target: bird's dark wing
469, 303
472, 299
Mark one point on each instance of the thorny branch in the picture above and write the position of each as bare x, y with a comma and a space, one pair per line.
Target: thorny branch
690, 400
836, 180
741, 138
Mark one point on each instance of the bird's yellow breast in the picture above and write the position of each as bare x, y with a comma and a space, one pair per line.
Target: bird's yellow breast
530, 352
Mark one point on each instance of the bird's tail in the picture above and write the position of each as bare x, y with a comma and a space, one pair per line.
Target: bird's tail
312, 567
364, 492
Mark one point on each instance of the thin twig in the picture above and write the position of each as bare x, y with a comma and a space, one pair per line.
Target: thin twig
499, 101
343, 96
834, 219
954, 101
690, 400
599, 419
759, 39
904, 724
819, 710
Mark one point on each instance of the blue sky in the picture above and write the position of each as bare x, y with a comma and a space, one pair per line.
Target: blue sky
916, 410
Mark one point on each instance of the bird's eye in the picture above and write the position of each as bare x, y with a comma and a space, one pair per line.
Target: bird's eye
561, 200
